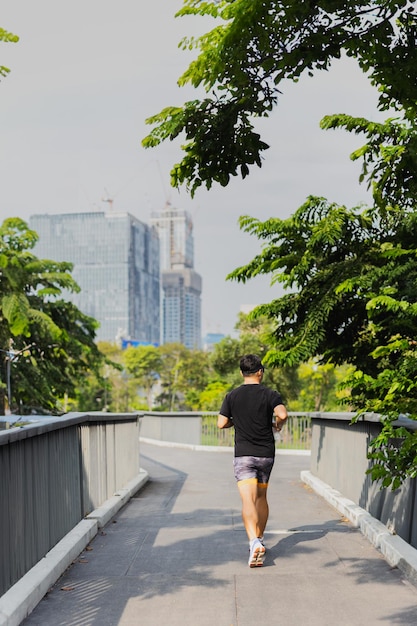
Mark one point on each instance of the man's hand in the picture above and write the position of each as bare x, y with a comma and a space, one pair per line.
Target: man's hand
281, 416
224, 422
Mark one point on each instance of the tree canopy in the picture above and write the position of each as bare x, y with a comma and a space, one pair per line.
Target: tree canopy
254, 47
172, 377
350, 279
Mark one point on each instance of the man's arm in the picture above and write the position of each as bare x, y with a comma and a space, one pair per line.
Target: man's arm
224, 422
281, 416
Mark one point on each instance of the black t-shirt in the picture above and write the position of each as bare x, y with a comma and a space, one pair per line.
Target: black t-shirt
251, 408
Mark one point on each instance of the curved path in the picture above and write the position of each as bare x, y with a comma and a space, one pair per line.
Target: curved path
177, 555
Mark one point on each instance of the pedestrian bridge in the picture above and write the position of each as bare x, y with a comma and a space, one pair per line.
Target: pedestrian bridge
177, 551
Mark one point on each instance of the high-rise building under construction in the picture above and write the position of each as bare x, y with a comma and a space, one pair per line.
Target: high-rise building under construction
181, 285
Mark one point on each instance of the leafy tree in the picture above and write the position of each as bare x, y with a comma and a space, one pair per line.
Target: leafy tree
312, 253
170, 398
114, 391
184, 374
144, 364
253, 48
352, 276
54, 339
104, 390
227, 353
212, 396
88, 396
194, 373
318, 387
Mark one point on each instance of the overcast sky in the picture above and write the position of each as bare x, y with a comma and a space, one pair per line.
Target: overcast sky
85, 76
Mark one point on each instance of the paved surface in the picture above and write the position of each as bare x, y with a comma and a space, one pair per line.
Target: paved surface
177, 555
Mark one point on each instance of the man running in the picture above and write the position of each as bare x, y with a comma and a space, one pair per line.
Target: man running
250, 409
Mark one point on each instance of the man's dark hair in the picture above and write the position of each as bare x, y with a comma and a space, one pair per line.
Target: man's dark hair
250, 364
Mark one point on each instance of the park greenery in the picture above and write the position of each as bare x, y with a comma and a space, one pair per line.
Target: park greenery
349, 274
171, 377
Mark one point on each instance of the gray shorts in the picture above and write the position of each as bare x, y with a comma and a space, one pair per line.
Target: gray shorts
250, 467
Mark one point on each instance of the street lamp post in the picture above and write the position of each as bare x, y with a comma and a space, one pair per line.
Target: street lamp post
11, 356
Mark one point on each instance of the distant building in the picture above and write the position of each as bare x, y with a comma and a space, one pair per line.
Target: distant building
181, 285
116, 265
182, 307
210, 340
175, 230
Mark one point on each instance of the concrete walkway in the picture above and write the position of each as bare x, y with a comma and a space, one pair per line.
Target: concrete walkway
177, 555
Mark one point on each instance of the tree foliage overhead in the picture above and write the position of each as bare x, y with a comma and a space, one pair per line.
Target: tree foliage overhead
34, 315
343, 271
254, 47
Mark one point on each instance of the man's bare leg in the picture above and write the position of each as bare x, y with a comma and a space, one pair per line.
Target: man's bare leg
254, 512
255, 509
262, 508
248, 490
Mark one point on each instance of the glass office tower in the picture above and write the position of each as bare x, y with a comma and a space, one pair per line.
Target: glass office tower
116, 265
182, 307
181, 285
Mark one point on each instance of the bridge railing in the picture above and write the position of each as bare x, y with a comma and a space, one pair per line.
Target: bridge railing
296, 435
339, 457
54, 472
197, 428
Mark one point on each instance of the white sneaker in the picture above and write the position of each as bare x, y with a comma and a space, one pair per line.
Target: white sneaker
257, 554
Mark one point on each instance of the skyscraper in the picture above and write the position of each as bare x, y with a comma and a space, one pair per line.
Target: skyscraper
116, 264
181, 285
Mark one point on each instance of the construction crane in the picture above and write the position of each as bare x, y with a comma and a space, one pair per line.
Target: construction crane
107, 198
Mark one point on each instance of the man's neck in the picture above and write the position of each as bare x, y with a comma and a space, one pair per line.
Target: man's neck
251, 380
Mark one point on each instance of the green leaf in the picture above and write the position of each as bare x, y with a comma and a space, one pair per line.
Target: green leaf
15, 308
